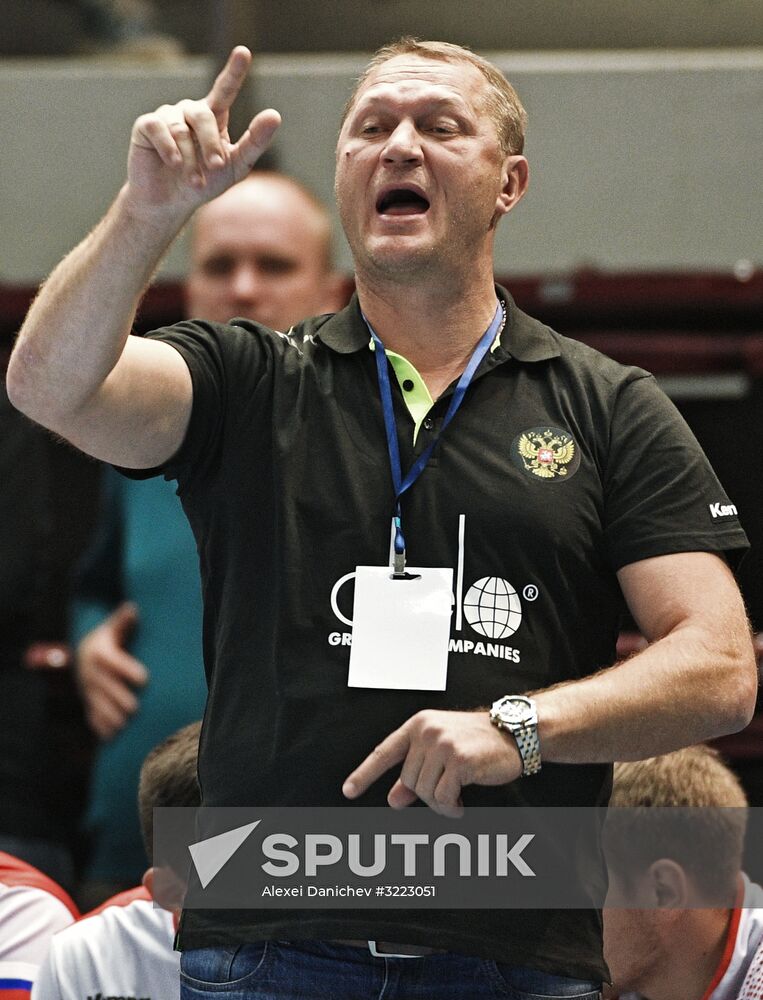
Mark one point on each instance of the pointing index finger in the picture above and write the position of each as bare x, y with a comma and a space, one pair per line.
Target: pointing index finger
390, 751
229, 80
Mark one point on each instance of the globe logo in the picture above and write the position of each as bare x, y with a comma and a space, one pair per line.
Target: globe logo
492, 608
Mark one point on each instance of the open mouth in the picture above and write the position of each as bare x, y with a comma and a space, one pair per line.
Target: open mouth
401, 201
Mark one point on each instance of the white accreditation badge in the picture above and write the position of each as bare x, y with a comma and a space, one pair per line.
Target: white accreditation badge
401, 628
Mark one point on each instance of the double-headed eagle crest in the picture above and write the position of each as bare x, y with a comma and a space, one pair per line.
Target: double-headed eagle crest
546, 453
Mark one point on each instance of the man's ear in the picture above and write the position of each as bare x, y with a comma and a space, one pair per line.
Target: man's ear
669, 884
514, 182
165, 888
148, 881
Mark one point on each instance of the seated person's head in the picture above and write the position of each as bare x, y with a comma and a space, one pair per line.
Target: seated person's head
672, 875
168, 777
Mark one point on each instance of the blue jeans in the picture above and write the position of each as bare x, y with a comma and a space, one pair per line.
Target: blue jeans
318, 970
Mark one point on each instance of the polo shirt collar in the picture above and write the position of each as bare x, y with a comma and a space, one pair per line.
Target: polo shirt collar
345, 332
523, 338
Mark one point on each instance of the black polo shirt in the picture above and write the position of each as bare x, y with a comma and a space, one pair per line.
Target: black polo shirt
560, 467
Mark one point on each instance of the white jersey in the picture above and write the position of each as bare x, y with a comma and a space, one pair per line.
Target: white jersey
752, 987
32, 909
739, 975
124, 950
744, 950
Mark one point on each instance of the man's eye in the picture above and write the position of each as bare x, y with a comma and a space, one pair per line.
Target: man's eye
277, 265
218, 266
370, 129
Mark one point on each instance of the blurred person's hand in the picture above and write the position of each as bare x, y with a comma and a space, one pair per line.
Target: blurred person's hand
108, 674
181, 154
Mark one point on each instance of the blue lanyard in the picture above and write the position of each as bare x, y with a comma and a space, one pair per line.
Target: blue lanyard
401, 485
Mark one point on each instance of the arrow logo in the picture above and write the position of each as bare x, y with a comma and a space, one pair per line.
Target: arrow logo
210, 855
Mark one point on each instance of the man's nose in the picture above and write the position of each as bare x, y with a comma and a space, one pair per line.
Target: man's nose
403, 144
245, 282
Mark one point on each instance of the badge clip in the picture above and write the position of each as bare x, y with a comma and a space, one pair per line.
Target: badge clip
399, 571
398, 565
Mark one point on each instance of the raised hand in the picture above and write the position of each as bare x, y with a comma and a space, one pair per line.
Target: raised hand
181, 154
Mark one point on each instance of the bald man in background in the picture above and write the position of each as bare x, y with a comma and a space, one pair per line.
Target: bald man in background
262, 250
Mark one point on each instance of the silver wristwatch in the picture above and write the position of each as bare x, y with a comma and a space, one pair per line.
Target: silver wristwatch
519, 716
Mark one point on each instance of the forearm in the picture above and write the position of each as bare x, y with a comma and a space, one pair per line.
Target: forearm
76, 329
697, 680
685, 688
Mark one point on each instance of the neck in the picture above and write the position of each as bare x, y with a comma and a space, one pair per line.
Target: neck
435, 327
689, 965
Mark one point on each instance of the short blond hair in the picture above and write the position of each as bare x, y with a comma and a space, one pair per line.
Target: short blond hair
706, 838
502, 101
695, 777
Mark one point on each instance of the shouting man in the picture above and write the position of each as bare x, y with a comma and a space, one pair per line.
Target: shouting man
536, 479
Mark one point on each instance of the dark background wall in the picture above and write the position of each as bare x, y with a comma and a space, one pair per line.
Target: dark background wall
56, 26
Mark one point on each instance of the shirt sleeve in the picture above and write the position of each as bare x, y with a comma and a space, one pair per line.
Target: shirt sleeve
227, 365
16, 980
30, 918
660, 492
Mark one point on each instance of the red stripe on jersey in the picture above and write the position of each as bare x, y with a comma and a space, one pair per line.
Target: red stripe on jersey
15, 872
121, 899
728, 951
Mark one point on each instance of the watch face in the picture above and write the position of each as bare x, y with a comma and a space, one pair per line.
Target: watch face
514, 711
